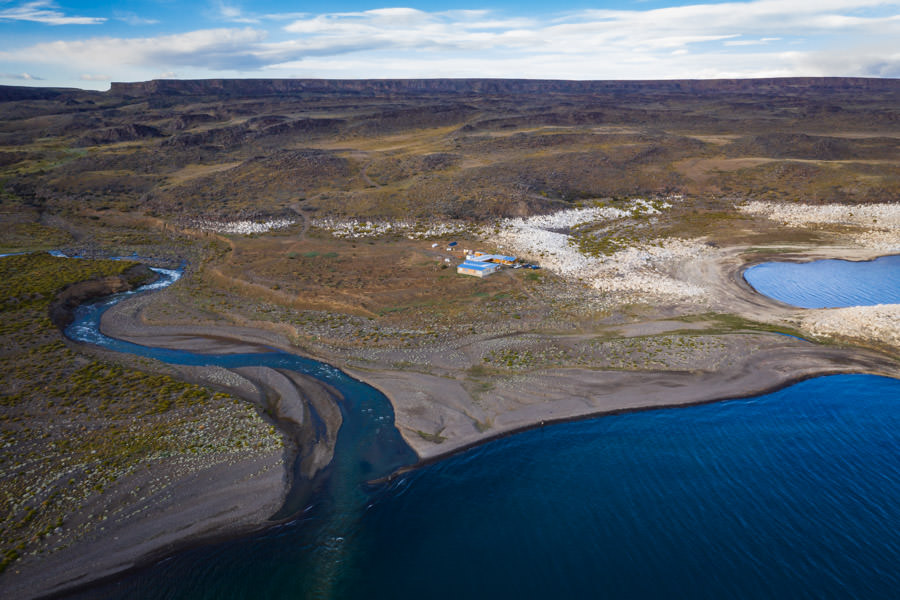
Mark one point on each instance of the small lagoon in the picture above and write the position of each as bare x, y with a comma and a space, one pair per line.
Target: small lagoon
829, 283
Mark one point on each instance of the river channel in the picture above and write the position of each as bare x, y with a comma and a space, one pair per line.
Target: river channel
791, 494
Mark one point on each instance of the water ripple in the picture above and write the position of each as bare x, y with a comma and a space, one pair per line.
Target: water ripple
829, 283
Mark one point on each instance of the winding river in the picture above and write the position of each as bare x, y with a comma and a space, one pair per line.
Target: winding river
791, 494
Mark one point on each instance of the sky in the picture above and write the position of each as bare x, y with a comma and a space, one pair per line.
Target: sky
87, 44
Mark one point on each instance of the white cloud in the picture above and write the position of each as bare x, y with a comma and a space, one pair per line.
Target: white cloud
759, 42
92, 77
592, 30
867, 61
43, 11
234, 14
133, 19
21, 76
210, 48
726, 39
545, 66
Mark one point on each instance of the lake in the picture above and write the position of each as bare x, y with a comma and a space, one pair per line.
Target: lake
829, 283
793, 494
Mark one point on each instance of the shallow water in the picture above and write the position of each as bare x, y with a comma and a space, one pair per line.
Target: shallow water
829, 283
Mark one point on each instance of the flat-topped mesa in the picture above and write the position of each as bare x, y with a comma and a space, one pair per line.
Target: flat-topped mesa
377, 87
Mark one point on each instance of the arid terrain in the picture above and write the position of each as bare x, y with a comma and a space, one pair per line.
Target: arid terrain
317, 217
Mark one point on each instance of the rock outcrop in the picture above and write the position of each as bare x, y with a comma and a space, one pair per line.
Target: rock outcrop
62, 309
114, 135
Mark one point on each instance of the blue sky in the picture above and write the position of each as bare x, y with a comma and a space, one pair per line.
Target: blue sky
78, 43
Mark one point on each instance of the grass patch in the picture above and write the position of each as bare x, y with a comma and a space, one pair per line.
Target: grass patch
434, 438
71, 427
729, 323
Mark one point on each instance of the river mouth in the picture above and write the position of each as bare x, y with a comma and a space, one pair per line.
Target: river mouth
367, 444
789, 494
717, 499
828, 283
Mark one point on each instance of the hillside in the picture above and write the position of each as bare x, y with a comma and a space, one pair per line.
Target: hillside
470, 149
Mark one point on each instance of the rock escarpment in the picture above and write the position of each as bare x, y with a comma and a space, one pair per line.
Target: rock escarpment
62, 309
379, 87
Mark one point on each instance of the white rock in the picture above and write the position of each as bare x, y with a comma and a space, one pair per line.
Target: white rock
242, 227
879, 323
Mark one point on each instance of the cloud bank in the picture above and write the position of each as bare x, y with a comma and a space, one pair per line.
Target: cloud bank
726, 39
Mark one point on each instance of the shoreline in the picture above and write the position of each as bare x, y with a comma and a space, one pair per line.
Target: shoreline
129, 558
612, 391
200, 540
424, 462
818, 359
600, 393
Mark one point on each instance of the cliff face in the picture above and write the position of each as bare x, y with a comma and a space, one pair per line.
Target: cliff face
380, 87
16, 93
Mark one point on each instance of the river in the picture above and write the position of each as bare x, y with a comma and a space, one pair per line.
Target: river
791, 494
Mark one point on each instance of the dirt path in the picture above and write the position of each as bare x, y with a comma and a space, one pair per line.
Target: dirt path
306, 222
363, 172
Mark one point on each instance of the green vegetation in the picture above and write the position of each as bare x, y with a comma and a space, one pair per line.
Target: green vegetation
730, 323
434, 438
72, 427
33, 280
439, 156
32, 236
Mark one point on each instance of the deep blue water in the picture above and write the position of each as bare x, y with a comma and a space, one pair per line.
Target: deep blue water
794, 494
829, 283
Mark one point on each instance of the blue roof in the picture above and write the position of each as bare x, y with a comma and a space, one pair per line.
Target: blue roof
477, 266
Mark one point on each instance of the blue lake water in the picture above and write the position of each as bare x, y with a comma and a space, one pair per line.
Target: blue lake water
794, 494
829, 283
